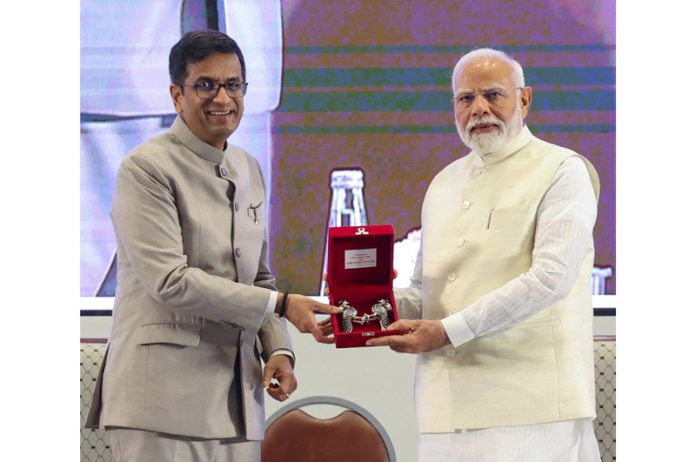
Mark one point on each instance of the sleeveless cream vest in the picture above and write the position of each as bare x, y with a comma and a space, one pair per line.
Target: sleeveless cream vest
538, 371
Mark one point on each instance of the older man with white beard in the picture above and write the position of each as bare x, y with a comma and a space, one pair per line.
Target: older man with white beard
500, 309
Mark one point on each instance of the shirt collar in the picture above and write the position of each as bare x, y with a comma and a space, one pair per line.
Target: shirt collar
509, 148
202, 149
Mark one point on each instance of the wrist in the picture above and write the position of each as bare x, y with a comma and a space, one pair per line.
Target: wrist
444, 337
282, 305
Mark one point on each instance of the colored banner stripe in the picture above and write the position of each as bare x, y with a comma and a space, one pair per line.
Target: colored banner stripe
418, 76
370, 129
444, 48
567, 100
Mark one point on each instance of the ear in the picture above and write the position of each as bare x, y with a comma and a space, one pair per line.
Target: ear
175, 92
525, 100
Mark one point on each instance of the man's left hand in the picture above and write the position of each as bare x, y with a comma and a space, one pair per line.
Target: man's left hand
419, 336
279, 368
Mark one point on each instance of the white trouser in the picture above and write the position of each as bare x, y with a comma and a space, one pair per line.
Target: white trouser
567, 441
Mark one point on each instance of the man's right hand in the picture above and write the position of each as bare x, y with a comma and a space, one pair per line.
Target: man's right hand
301, 312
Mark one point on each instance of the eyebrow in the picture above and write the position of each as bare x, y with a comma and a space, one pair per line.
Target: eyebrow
205, 77
464, 91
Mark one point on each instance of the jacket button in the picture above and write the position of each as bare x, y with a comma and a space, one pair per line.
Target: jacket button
466, 205
236, 206
460, 242
223, 171
450, 353
238, 252
451, 277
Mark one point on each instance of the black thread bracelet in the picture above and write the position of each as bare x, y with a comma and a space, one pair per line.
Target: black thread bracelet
283, 305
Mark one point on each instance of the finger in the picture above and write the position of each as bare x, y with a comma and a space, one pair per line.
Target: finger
400, 349
326, 330
288, 383
324, 339
320, 337
400, 345
394, 342
326, 326
293, 386
402, 324
268, 373
380, 341
275, 392
327, 309
285, 383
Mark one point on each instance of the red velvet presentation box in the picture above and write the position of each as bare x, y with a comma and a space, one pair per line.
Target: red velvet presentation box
359, 270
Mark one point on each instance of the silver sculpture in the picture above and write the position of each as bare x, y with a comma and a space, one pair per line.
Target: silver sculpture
349, 315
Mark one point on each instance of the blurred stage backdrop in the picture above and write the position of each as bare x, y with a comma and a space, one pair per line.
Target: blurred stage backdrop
363, 86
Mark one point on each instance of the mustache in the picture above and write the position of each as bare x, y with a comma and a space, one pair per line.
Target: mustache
486, 120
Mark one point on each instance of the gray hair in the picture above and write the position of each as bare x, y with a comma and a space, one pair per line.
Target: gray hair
518, 73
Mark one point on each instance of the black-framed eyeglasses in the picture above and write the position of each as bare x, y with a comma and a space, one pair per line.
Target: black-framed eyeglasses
209, 90
494, 96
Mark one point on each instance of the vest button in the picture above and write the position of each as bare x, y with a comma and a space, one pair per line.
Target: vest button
236, 206
460, 242
223, 171
451, 277
466, 205
450, 353
238, 252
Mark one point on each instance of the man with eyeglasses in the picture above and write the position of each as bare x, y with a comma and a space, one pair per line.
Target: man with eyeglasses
196, 308
500, 307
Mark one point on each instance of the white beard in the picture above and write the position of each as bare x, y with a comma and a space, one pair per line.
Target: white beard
485, 143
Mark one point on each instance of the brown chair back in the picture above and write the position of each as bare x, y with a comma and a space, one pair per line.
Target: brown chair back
298, 436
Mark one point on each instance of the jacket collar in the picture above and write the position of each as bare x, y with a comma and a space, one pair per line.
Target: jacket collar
202, 149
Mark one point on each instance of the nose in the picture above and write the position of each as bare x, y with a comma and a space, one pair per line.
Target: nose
480, 106
222, 97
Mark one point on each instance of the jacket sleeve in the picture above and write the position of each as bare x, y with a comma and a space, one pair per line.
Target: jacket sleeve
274, 333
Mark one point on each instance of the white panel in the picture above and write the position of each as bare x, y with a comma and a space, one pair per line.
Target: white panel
125, 56
256, 25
